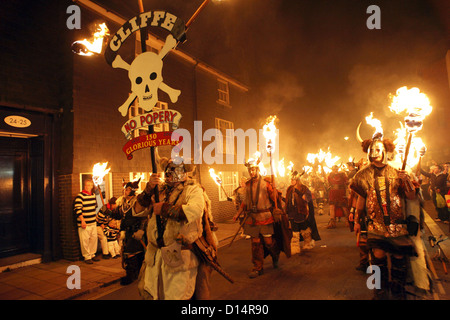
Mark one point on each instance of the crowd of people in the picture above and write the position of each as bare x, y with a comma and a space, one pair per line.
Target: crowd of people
166, 235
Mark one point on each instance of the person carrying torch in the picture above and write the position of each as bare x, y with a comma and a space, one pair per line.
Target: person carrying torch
382, 192
259, 222
178, 264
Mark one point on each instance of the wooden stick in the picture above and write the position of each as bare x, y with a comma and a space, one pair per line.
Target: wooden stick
196, 13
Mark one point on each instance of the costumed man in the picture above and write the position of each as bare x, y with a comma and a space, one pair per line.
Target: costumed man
319, 189
300, 210
259, 222
337, 194
172, 269
132, 232
381, 193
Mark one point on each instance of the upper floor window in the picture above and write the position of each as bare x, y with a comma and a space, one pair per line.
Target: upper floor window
223, 92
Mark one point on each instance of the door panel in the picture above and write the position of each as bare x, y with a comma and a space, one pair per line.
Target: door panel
14, 215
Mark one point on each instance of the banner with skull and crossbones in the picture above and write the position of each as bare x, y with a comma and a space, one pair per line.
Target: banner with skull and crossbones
145, 72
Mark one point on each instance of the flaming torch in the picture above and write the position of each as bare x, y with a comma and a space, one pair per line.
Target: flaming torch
417, 106
98, 172
218, 181
270, 132
89, 48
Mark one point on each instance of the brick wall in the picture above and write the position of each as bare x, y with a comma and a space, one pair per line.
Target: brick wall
68, 188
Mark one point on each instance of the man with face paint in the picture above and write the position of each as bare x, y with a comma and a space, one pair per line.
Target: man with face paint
258, 204
380, 205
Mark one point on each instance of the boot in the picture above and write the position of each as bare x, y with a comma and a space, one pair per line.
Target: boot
257, 259
309, 242
383, 292
274, 252
295, 243
398, 278
331, 224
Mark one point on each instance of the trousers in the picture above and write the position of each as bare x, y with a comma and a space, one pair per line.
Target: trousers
88, 241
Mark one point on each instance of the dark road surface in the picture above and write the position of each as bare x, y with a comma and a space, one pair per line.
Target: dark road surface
327, 272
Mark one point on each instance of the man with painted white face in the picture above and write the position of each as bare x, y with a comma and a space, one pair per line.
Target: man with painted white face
381, 191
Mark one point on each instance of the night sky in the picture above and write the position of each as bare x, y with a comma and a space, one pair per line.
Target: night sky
315, 64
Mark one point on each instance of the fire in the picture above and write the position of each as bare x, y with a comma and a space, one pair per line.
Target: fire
99, 171
417, 148
412, 101
215, 177
270, 132
417, 106
374, 123
281, 170
325, 159
290, 166
88, 48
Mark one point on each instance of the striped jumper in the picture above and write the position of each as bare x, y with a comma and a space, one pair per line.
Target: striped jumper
85, 204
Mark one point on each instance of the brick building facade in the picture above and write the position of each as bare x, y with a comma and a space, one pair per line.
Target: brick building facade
72, 103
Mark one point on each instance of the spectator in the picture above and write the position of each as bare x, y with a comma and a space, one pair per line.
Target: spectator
112, 230
438, 184
85, 205
102, 222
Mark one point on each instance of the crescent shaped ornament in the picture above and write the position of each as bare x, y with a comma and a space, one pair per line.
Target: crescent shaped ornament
358, 136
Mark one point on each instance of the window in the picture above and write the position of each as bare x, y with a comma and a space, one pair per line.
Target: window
230, 182
135, 110
227, 136
223, 92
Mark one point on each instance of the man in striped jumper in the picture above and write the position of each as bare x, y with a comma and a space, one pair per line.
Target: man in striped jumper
85, 205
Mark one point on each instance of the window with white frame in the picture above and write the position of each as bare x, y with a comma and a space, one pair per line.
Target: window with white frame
230, 182
135, 110
227, 136
223, 92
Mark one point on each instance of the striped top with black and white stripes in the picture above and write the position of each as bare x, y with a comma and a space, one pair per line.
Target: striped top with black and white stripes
85, 204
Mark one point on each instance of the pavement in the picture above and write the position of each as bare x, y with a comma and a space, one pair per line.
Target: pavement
34, 280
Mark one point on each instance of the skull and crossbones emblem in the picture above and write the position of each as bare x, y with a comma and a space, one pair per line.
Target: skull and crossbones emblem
145, 74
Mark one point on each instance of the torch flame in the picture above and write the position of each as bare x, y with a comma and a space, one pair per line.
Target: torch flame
290, 166
99, 171
270, 132
281, 169
326, 159
416, 150
215, 177
88, 48
374, 123
412, 101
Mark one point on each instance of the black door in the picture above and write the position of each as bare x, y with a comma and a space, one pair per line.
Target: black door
14, 196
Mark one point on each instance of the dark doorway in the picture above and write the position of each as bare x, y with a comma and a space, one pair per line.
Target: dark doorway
20, 200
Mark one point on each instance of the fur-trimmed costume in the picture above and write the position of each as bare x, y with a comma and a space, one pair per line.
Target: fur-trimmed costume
174, 280
300, 210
